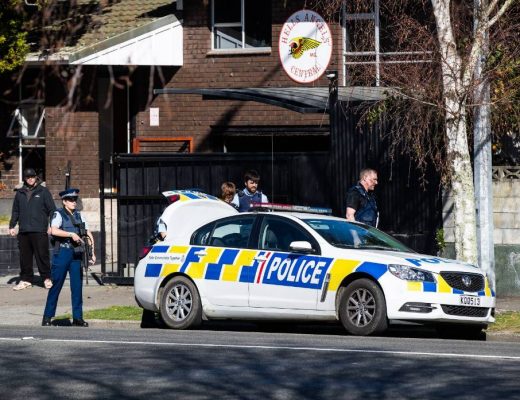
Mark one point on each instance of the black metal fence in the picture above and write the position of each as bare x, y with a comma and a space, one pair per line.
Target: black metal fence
408, 211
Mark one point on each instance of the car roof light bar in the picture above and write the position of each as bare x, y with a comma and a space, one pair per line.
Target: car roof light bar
289, 207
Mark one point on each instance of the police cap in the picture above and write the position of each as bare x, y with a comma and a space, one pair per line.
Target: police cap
69, 193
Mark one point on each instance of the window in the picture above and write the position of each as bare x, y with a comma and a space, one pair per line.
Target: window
240, 24
343, 234
228, 233
201, 236
28, 121
277, 234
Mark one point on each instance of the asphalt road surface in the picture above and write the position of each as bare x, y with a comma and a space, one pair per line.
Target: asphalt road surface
223, 362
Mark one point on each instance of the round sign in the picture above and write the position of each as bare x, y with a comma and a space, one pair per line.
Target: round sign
305, 46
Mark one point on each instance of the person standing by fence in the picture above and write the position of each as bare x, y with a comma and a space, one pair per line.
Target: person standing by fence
250, 194
32, 207
361, 201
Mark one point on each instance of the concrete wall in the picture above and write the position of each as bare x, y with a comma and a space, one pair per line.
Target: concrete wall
506, 233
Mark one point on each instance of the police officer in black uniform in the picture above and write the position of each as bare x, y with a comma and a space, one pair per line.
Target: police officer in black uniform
361, 201
65, 229
250, 194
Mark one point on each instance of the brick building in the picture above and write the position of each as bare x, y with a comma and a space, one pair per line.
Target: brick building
93, 96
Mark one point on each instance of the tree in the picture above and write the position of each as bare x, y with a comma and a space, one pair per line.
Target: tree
434, 77
13, 44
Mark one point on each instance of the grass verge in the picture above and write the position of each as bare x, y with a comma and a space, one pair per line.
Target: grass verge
506, 322
118, 313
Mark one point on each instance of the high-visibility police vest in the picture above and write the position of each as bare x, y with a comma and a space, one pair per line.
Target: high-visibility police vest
245, 200
67, 224
368, 213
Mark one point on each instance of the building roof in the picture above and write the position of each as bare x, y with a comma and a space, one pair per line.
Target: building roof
301, 99
98, 25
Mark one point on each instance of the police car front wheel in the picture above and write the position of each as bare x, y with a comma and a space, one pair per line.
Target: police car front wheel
362, 308
180, 304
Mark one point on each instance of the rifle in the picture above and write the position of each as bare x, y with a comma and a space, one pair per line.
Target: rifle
86, 245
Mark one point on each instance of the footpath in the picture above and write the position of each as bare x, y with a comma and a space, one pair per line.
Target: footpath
25, 307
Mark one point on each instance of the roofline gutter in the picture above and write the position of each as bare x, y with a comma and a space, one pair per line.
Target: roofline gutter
65, 59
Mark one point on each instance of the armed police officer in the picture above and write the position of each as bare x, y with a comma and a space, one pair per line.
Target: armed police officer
361, 201
67, 225
250, 194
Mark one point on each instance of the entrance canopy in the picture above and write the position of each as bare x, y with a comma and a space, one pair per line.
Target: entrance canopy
300, 99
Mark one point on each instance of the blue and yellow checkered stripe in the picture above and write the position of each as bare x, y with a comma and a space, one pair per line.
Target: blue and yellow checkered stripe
235, 265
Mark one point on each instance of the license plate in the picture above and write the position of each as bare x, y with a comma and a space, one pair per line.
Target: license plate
470, 300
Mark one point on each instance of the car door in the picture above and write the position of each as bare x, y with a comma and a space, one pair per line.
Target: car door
220, 253
287, 280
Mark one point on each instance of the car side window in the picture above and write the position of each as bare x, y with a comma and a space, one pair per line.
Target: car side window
277, 234
202, 235
232, 233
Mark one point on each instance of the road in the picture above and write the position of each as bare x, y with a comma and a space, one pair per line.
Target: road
223, 362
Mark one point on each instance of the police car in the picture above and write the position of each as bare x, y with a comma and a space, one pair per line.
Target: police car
292, 265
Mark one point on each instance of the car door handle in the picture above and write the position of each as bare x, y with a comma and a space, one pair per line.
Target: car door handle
260, 258
201, 253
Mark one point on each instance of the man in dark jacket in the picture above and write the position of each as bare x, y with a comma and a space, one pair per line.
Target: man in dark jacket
32, 208
361, 201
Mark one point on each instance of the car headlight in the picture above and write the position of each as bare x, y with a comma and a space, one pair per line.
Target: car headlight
410, 273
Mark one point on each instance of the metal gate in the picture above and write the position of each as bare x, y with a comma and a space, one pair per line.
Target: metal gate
136, 201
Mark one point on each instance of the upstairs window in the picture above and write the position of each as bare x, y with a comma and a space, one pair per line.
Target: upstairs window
241, 24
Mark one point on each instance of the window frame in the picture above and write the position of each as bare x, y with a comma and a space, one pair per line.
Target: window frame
241, 24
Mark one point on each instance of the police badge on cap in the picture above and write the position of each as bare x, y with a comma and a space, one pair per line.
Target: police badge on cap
69, 193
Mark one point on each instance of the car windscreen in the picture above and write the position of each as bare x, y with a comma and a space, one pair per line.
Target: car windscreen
345, 234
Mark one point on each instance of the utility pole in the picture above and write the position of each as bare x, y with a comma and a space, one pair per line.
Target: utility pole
483, 163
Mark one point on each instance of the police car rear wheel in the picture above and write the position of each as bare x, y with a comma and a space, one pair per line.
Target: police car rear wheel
362, 308
180, 304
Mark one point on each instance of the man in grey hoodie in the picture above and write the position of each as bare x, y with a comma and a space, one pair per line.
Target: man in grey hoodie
32, 208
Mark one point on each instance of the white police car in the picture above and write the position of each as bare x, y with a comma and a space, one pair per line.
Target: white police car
218, 264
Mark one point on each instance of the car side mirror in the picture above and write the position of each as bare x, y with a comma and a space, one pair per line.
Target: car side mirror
301, 247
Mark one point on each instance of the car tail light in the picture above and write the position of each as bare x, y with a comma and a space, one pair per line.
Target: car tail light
144, 251
173, 198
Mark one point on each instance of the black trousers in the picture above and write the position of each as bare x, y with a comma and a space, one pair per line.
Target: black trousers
34, 244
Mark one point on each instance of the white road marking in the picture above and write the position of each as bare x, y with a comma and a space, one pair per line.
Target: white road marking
290, 348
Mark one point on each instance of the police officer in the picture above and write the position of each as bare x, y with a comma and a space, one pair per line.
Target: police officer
361, 201
243, 199
65, 230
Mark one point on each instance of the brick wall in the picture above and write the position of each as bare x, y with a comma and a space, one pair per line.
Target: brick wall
72, 136
190, 115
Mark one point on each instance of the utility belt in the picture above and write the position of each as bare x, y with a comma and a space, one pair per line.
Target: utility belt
78, 248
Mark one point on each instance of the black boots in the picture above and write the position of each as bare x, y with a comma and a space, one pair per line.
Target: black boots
79, 322
46, 321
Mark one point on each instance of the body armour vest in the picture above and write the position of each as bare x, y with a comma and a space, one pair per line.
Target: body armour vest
245, 200
367, 214
67, 224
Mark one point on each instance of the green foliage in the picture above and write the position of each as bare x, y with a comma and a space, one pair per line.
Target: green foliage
439, 240
375, 113
13, 44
